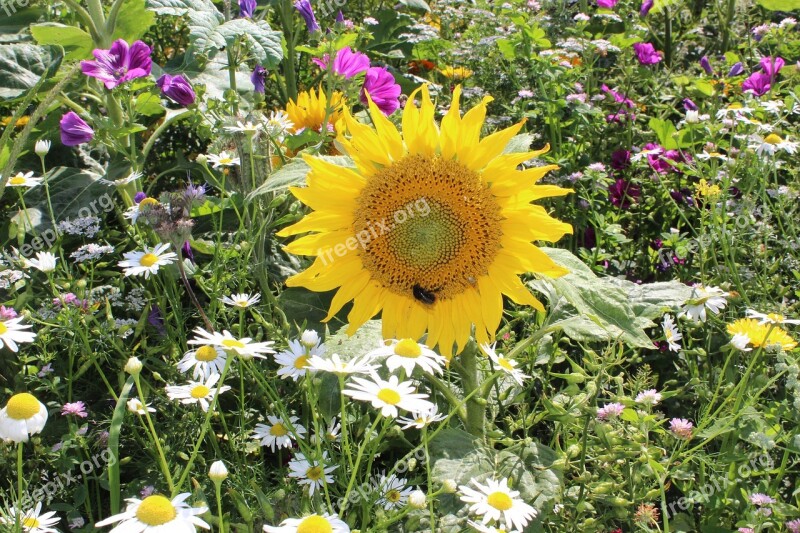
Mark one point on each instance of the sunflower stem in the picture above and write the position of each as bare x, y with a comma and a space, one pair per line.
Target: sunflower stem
476, 405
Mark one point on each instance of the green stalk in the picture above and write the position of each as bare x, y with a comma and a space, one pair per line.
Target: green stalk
162, 459
476, 406
288, 64
18, 514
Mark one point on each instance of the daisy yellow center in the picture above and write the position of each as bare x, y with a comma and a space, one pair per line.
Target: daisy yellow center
505, 364
3, 328
16, 180
315, 524
389, 396
200, 391
773, 138
440, 227
393, 496
314, 473
148, 260
408, 348
225, 160
30, 521
148, 201
278, 430
232, 343
301, 362
500, 500
156, 510
668, 334
22, 406
205, 353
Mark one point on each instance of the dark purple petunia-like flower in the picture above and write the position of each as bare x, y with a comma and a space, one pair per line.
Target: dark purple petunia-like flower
706, 64
382, 88
119, 64
348, 63
646, 53
689, 105
247, 8
259, 79
621, 159
647, 5
177, 89
758, 83
622, 193
75, 130
307, 12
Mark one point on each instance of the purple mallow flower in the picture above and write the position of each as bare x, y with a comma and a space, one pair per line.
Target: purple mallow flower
757, 83
736, 70
119, 64
74, 130
247, 8
382, 88
348, 63
177, 89
689, 105
647, 5
706, 65
608, 4
307, 12
621, 159
259, 79
74, 408
646, 53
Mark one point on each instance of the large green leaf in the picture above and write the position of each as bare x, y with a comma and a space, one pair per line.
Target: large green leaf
14, 23
780, 5
73, 193
209, 33
179, 7
23, 65
133, 20
367, 338
76, 43
592, 302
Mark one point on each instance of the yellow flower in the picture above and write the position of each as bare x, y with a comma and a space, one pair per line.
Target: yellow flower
762, 334
706, 189
431, 228
20, 123
456, 73
311, 107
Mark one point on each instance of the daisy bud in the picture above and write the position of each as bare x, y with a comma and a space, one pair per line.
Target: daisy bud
133, 366
218, 472
41, 147
309, 338
417, 499
202, 159
450, 486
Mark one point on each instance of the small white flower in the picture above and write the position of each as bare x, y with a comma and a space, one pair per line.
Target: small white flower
12, 332
311, 472
247, 128
335, 365
148, 261
417, 500
157, 514
277, 432
509, 366
136, 406
32, 520
201, 393
243, 347
771, 144
24, 180
496, 501
45, 262
42, 147
770, 318
278, 125
409, 354
649, 397
741, 341
241, 300
22, 416
711, 298
206, 361
389, 395
130, 178
294, 361
420, 419
311, 523
671, 333
90, 251
218, 472
309, 338
393, 492
223, 159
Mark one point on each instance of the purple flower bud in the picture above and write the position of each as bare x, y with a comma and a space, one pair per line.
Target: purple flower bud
688, 105
74, 130
247, 8
646, 53
259, 79
307, 12
647, 5
177, 89
736, 70
139, 196
187, 251
706, 65
340, 17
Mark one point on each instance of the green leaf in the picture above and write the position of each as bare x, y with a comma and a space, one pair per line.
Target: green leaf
416, 5
76, 43
779, 5
179, 8
367, 338
507, 48
209, 33
664, 130
704, 87
660, 5
73, 193
149, 105
133, 20
519, 143
294, 173
23, 65
652, 300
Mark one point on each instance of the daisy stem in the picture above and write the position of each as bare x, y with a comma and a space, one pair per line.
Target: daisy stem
343, 419
218, 490
428, 473
18, 514
161, 458
358, 462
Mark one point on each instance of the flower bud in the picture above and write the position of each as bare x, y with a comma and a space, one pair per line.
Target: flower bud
218, 472
133, 366
417, 499
41, 147
449, 486
309, 338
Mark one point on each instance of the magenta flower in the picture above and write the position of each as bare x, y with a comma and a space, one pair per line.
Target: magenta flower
758, 498
259, 79
74, 130
608, 4
119, 64
322, 62
177, 89
681, 428
307, 12
647, 5
349, 63
622, 193
646, 53
621, 159
247, 8
771, 66
74, 408
7, 313
382, 88
704, 62
758, 83
618, 97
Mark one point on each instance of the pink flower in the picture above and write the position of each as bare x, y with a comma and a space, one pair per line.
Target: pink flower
758, 83
382, 88
119, 64
771, 65
74, 408
7, 313
349, 63
646, 53
681, 428
758, 498
75, 130
608, 4
611, 410
322, 62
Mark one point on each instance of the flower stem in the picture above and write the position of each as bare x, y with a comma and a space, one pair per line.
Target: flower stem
18, 514
161, 457
476, 406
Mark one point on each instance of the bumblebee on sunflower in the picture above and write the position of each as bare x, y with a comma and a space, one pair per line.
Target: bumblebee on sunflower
442, 272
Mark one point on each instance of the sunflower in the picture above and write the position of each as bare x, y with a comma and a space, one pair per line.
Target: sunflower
431, 228
311, 107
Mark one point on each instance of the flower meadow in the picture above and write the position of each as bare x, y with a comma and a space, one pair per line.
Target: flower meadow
447, 266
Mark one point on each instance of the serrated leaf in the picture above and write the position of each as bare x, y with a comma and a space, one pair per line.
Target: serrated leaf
179, 7
294, 174
23, 65
149, 105
367, 338
209, 33
519, 143
77, 43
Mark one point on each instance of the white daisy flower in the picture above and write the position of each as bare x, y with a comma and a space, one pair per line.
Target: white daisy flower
45, 261
137, 210
393, 492
735, 110
312, 473
644, 153
388, 396
207, 360
671, 333
771, 144
22, 416
278, 125
196, 392
711, 298
157, 514
223, 159
335, 365
408, 354
509, 366
247, 128
24, 180
705, 156
130, 178
490, 529
241, 300
772, 106
136, 406
496, 501
312, 523
244, 347
332, 430
42, 147
294, 361
277, 434
741, 341
770, 318
420, 419
12, 332
148, 261
649, 397
32, 520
